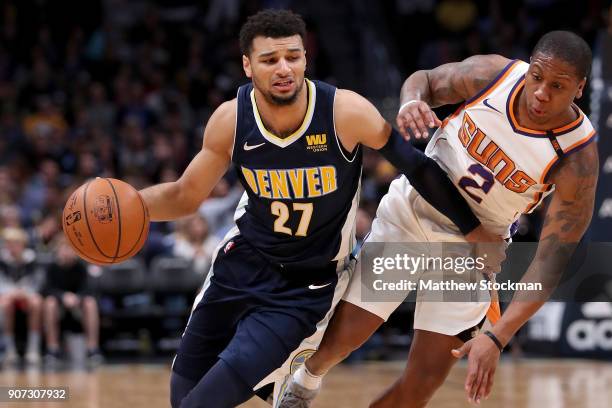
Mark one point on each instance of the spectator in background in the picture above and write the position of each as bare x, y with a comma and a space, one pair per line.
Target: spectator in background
67, 290
194, 242
218, 210
10, 216
20, 282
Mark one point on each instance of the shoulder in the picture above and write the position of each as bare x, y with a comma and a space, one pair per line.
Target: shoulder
578, 165
475, 73
220, 128
349, 105
358, 121
224, 117
226, 111
491, 64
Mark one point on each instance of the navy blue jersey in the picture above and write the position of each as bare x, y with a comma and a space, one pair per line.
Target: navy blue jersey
301, 190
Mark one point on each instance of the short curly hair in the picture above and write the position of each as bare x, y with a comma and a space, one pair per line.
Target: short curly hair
568, 47
273, 24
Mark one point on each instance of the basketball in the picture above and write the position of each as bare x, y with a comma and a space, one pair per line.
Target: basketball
105, 221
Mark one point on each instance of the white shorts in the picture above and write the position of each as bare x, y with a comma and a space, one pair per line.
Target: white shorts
404, 216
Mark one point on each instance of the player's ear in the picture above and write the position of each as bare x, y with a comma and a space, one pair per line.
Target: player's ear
246, 65
580, 88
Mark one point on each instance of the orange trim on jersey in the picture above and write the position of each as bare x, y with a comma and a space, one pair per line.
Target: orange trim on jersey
494, 311
537, 196
547, 169
581, 142
491, 87
572, 124
518, 127
452, 116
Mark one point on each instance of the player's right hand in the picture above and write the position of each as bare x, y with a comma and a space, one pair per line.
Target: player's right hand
416, 117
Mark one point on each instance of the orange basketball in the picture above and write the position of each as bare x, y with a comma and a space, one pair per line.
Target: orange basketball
106, 221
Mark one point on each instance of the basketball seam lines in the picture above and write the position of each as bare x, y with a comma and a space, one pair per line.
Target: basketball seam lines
118, 218
75, 246
87, 221
144, 219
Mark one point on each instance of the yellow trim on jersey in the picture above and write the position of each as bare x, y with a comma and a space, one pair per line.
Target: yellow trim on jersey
283, 142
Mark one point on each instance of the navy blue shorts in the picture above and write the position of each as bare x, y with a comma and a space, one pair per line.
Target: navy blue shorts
253, 314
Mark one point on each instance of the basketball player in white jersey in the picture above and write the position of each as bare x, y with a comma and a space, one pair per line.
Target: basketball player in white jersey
516, 138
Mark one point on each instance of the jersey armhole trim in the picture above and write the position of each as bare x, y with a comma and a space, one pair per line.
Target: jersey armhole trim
343, 151
581, 143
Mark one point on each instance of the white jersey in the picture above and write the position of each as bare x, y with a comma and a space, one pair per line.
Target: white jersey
499, 166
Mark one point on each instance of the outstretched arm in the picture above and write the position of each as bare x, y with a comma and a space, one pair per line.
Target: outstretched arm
566, 220
359, 122
169, 201
446, 84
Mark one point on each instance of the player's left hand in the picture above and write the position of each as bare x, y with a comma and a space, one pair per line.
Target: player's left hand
483, 356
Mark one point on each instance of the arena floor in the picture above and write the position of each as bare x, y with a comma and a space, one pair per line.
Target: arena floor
528, 383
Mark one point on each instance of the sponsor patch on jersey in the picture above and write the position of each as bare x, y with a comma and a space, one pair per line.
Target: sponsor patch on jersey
316, 142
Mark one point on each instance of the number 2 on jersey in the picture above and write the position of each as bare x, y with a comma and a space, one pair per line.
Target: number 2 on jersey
281, 210
466, 181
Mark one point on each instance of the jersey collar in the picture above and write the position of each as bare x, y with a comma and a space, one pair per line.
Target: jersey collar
516, 89
311, 90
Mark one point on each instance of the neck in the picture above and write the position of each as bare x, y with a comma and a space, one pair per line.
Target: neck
520, 111
283, 120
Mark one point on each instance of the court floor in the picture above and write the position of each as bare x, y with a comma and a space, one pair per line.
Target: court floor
524, 383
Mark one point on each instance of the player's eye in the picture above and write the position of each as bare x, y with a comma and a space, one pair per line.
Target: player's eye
536, 77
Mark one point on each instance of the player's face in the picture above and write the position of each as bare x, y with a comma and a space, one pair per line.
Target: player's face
276, 66
551, 85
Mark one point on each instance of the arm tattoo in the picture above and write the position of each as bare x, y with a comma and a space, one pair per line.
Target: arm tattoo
568, 216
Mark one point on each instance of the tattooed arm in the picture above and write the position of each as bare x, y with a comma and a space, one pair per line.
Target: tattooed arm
446, 84
566, 220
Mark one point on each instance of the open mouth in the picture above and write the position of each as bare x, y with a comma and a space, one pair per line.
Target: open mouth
537, 112
284, 85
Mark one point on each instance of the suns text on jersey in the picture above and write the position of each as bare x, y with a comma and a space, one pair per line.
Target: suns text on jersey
489, 154
306, 182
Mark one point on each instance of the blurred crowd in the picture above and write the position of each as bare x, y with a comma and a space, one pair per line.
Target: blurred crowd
123, 89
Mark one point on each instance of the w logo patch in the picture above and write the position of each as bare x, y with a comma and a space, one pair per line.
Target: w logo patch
317, 142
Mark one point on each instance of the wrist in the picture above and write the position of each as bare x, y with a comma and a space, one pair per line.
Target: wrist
495, 340
501, 335
411, 101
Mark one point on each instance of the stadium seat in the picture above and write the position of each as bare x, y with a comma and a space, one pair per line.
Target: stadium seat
173, 275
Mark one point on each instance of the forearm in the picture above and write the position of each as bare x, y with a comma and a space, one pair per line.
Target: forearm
165, 202
416, 87
426, 176
548, 266
525, 304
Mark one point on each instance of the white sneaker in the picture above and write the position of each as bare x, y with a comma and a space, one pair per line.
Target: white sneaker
297, 396
32, 358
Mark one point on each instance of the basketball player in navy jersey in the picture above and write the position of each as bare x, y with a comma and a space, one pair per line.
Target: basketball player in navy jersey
296, 145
